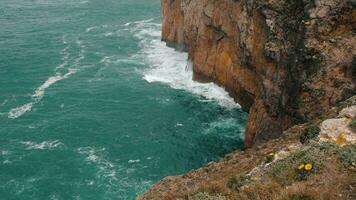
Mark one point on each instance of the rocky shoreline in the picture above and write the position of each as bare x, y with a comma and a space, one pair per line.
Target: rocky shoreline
270, 171
285, 62
292, 66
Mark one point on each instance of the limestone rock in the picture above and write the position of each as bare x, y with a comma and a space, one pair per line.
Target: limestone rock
337, 130
349, 112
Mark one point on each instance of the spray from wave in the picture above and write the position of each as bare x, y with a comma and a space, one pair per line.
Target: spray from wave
172, 67
72, 68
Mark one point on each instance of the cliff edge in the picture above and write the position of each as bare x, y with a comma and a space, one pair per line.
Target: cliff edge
311, 161
292, 65
284, 61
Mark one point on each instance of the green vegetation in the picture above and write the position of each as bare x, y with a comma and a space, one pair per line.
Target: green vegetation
348, 155
206, 196
300, 165
236, 182
309, 133
297, 197
270, 157
289, 169
352, 125
317, 169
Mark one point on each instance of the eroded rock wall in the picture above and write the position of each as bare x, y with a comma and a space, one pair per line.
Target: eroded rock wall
284, 61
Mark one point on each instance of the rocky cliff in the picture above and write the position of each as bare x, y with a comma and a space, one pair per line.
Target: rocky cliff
284, 61
311, 161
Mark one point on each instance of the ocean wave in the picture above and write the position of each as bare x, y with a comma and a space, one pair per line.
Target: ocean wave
145, 21
113, 176
172, 67
225, 125
107, 60
45, 145
40, 91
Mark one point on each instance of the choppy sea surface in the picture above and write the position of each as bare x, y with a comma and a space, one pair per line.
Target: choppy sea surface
94, 106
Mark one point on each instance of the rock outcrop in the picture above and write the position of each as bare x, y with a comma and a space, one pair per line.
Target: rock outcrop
284, 61
337, 130
276, 169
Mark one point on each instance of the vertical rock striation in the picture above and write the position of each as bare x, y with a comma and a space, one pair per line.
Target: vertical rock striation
284, 61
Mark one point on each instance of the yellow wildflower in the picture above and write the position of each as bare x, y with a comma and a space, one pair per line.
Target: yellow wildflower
301, 166
308, 167
271, 154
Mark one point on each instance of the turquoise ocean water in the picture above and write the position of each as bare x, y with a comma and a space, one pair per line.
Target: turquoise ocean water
94, 106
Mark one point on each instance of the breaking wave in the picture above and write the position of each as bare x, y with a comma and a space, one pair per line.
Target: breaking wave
172, 67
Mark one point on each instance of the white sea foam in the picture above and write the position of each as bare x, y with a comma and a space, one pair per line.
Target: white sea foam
134, 161
6, 162
106, 169
65, 53
223, 124
107, 34
45, 145
107, 60
5, 152
38, 94
90, 28
51, 80
145, 30
171, 67
4, 102
18, 111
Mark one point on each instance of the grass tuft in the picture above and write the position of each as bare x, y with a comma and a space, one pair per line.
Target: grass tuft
207, 196
297, 197
236, 182
348, 155
289, 170
309, 133
352, 125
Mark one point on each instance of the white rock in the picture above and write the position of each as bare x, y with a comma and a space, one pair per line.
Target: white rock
349, 112
337, 130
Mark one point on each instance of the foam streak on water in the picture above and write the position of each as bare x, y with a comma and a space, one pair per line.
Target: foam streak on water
40, 91
172, 67
50, 145
115, 113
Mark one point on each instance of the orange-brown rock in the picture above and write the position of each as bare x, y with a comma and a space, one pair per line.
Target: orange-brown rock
284, 61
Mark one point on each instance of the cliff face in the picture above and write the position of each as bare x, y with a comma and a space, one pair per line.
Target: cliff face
284, 61
272, 170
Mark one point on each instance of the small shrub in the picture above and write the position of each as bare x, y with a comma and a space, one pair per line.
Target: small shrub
304, 170
286, 171
270, 157
236, 182
327, 147
309, 133
206, 196
348, 155
266, 190
352, 125
298, 197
